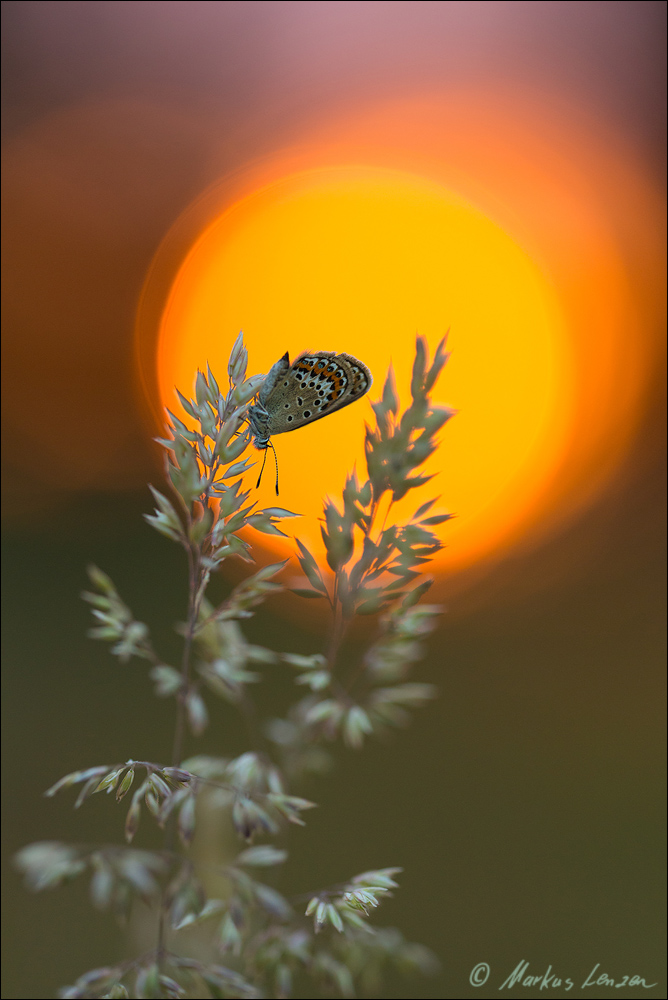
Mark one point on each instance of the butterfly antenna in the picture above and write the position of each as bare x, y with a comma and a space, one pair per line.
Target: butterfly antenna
262, 469
276, 461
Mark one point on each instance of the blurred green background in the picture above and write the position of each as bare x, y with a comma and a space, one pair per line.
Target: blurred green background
526, 804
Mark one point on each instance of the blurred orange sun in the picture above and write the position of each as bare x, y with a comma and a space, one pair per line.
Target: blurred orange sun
361, 259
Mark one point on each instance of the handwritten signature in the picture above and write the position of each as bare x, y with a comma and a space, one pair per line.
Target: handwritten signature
520, 976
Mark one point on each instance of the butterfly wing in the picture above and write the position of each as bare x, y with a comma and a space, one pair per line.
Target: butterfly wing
315, 385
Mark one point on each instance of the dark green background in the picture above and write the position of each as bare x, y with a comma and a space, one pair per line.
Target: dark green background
526, 804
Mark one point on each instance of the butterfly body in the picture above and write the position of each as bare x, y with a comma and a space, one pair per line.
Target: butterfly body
316, 384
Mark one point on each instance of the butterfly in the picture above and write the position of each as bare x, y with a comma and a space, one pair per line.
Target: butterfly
315, 385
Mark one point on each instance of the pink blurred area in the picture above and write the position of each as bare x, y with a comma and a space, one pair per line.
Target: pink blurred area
292, 58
